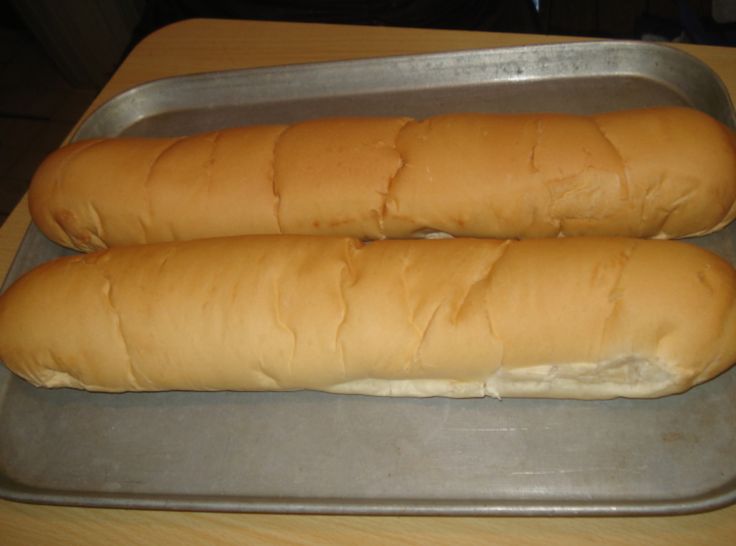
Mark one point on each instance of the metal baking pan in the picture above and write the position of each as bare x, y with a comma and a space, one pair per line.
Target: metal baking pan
321, 453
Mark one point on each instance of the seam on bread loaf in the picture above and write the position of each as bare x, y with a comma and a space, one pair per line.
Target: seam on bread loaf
211, 160
148, 219
347, 278
623, 172
387, 196
274, 185
132, 372
614, 294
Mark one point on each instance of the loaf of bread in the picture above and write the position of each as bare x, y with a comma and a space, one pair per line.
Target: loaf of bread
651, 173
588, 318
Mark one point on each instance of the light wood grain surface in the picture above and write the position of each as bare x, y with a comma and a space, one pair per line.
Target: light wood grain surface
207, 45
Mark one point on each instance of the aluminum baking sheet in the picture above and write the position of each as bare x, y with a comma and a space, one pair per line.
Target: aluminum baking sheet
325, 453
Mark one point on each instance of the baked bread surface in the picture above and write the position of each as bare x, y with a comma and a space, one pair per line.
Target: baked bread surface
650, 173
580, 318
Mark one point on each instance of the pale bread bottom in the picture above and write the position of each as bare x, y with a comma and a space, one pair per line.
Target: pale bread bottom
628, 376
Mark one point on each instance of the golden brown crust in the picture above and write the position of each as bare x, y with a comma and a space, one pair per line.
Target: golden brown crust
577, 317
332, 176
652, 173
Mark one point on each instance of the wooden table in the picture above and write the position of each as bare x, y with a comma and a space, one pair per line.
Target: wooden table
207, 45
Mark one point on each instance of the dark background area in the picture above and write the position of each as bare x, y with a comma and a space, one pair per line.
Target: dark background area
55, 55
86, 39
605, 18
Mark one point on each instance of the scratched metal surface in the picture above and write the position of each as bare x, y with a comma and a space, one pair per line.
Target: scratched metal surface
313, 452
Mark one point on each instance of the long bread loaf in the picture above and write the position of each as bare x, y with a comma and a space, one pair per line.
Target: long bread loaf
653, 173
577, 317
